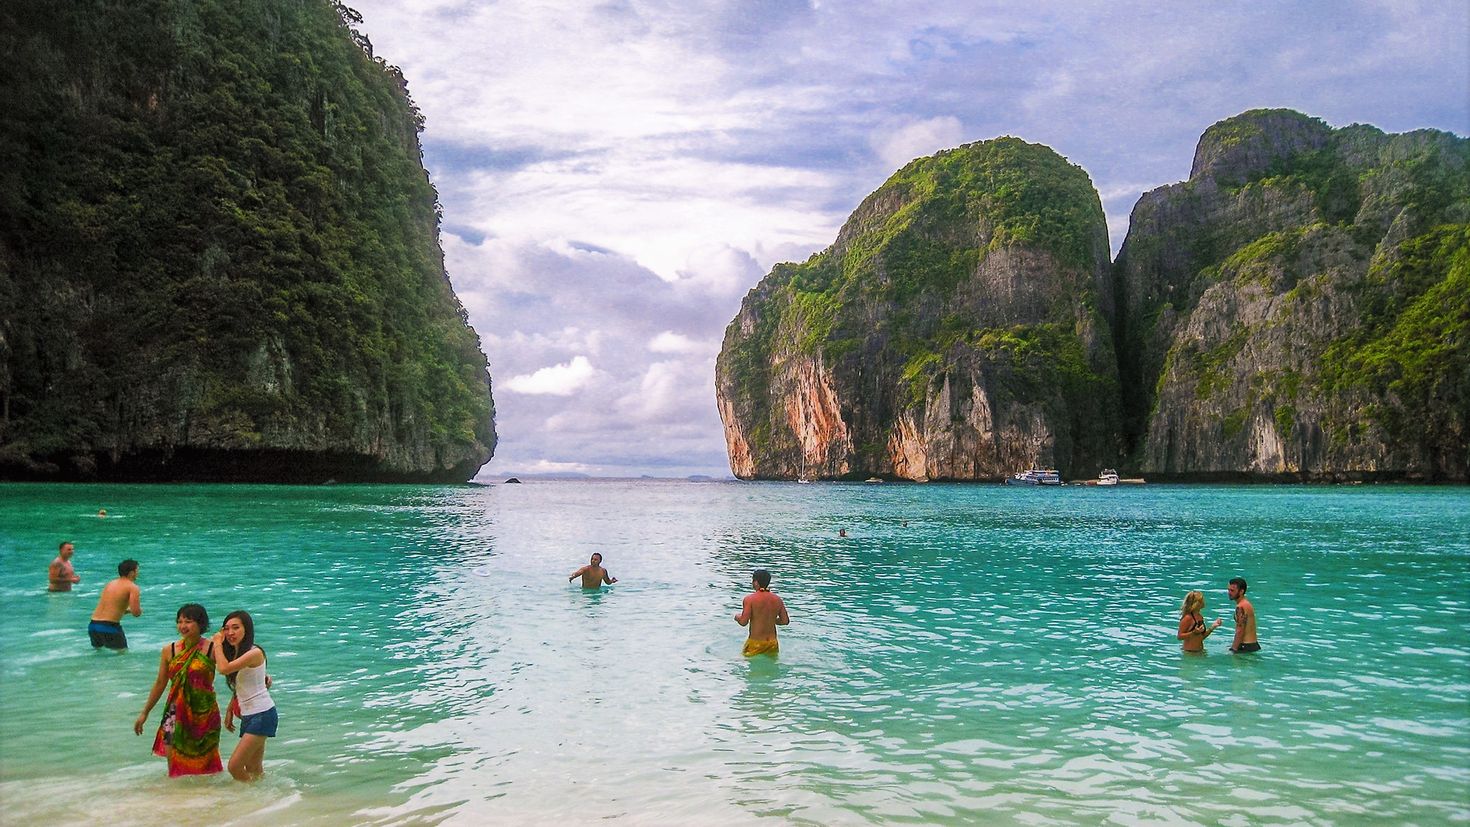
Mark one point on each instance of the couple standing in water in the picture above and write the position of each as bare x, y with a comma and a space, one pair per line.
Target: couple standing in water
188, 736
761, 610
1192, 628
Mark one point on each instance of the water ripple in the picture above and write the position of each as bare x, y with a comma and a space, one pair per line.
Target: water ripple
1002, 658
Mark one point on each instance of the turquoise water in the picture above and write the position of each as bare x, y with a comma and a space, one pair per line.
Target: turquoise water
1006, 657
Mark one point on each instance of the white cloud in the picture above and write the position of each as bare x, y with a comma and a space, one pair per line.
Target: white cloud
616, 176
542, 466
671, 342
557, 380
897, 146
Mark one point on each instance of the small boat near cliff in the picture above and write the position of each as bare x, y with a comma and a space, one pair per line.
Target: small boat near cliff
1110, 477
1036, 476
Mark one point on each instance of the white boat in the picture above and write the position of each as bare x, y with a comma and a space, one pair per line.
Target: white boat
1036, 476
1108, 477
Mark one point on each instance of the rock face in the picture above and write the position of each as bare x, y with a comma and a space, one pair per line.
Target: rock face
219, 253
1300, 307
957, 329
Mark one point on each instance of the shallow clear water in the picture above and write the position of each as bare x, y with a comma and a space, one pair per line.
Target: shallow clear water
1008, 656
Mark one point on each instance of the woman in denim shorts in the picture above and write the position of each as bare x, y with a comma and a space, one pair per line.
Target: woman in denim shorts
243, 665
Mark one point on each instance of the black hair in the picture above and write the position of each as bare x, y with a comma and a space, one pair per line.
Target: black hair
126, 566
196, 613
1238, 582
246, 641
63, 544
762, 578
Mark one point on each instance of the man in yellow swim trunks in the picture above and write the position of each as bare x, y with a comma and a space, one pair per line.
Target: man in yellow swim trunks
763, 612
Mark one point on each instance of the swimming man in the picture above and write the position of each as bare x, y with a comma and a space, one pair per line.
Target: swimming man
121, 595
1245, 619
593, 574
763, 611
60, 575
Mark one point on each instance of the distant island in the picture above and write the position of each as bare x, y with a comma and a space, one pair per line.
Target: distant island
219, 255
1298, 310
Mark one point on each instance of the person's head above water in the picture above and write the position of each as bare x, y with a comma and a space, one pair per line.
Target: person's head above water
596, 559
127, 567
1236, 589
239, 631
65, 550
761, 578
193, 612
1193, 602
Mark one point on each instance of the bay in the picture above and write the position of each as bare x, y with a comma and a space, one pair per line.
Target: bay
967, 654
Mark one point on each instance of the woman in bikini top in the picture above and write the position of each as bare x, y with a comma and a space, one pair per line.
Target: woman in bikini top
1192, 628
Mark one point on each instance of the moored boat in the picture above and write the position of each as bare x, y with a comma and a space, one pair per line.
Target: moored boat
1036, 476
1108, 477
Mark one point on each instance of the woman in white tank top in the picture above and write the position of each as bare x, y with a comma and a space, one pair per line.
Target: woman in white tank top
243, 665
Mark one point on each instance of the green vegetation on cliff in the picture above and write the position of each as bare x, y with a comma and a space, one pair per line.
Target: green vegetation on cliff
903, 302
1309, 277
1412, 351
216, 233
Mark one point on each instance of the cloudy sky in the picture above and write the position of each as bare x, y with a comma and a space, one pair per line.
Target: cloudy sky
615, 176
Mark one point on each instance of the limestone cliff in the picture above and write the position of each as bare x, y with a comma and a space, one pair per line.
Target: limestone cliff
958, 328
1300, 307
219, 253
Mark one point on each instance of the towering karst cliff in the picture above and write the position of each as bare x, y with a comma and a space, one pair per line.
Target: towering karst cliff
958, 328
219, 252
1300, 307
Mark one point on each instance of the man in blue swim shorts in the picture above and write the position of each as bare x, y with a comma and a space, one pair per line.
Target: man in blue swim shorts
119, 596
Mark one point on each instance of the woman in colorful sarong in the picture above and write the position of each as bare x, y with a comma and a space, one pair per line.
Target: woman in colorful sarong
188, 735
243, 664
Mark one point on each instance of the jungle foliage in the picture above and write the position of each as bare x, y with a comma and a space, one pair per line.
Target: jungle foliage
882, 306
216, 230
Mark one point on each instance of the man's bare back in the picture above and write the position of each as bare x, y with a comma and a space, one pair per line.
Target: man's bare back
118, 597
762, 611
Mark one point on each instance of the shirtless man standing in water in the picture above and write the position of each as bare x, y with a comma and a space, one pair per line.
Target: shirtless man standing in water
60, 576
763, 612
119, 596
593, 574
1245, 619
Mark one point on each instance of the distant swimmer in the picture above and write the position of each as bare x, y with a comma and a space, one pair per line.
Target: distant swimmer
841, 532
1245, 619
763, 611
1192, 628
60, 575
119, 596
102, 513
593, 574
